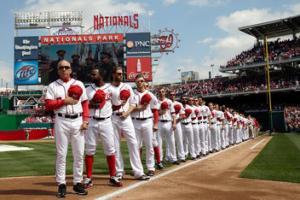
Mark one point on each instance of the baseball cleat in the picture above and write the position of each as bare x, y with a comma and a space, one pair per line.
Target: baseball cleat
119, 176
143, 178
62, 190
79, 189
87, 183
115, 181
176, 163
159, 166
150, 173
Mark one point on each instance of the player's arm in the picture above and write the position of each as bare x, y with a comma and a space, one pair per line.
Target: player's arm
85, 110
53, 103
173, 114
85, 114
155, 119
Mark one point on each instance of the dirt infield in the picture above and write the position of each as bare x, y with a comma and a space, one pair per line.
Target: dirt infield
215, 177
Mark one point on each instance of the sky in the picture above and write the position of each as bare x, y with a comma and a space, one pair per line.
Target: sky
207, 29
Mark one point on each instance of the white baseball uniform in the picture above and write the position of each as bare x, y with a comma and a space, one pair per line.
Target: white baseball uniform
165, 131
143, 125
196, 132
206, 114
188, 137
67, 125
100, 126
178, 133
214, 131
221, 130
125, 126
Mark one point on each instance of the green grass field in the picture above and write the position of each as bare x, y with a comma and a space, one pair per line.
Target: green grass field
278, 161
41, 160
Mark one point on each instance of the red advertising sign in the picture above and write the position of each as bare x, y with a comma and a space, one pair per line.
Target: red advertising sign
139, 65
77, 39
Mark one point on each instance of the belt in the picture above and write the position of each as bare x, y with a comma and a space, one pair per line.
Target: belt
117, 113
164, 120
185, 123
74, 116
100, 118
195, 123
142, 119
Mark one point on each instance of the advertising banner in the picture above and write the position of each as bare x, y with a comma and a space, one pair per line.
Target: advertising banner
79, 39
26, 73
139, 65
26, 48
138, 45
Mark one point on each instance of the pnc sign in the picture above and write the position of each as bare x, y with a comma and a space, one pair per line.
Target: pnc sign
138, 44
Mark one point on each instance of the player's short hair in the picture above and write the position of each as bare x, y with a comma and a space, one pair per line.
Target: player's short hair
59, 63
139, 75
116, 68
100, 70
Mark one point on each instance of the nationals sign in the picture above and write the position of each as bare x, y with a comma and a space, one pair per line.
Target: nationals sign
105, 21
77, 39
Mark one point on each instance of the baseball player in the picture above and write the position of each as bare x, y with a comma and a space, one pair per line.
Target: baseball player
195, 125
179, 111
123, 104
250, 126
235, 125
213, 128
156, 149
229, 117
100, 127
187, 129
166, 127
220, 127
145, 120
67, 98
203, 121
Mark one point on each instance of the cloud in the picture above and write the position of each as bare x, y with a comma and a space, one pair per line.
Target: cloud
161, 73
88, 7
6, 74
234, 42
202, 3
169, 2
205, 40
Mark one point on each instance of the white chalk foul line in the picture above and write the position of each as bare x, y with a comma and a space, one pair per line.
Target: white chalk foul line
135, 185
257, 144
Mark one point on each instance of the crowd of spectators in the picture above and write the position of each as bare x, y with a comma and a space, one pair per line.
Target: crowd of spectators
6, 92
292, 118
227, 85
278, 50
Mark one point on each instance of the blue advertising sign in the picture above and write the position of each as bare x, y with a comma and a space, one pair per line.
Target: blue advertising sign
138, 44
26, 73
26, 48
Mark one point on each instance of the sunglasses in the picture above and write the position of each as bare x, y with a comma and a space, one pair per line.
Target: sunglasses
140, 81
64, 67
120, 73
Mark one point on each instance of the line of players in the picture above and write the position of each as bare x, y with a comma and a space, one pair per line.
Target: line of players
188, 128
114, 110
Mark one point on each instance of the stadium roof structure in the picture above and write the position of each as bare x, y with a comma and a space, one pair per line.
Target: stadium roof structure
275, 28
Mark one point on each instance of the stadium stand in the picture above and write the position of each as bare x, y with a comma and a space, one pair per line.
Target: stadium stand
245, 89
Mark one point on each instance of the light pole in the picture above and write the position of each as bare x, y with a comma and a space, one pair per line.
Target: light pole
179, 70
212, 70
